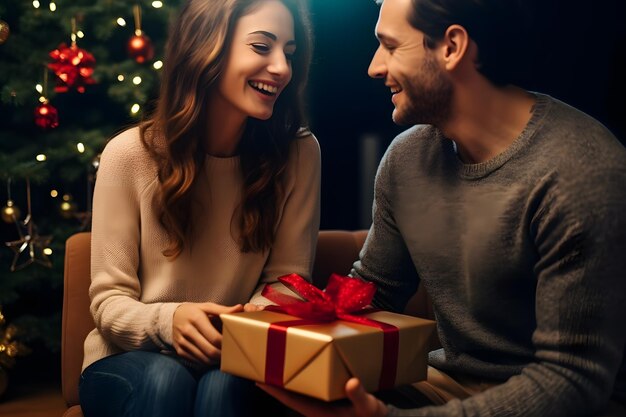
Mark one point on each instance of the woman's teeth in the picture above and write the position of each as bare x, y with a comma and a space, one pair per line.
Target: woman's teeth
267, 89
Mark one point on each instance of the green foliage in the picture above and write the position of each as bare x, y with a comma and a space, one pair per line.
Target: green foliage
33, 296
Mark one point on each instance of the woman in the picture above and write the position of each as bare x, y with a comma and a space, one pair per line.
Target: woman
196, 209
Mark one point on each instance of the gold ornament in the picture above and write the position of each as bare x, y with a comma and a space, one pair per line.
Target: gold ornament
5, 31
11, 213
9, 347
9, 350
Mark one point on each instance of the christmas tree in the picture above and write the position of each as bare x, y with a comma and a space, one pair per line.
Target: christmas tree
72, 74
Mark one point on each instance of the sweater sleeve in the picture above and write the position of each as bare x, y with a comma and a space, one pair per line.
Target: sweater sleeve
115, 289
293, 250
385, 258
580, 305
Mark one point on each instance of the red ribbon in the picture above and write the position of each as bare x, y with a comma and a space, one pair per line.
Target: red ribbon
342, 297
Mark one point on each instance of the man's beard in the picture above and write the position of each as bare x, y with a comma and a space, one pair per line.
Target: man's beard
429, 95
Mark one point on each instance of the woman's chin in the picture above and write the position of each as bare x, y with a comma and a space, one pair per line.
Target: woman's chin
262, 115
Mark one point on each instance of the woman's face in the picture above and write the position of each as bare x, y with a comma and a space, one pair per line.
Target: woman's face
258, 64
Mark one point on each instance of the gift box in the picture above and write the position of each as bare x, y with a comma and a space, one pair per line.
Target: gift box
313, 347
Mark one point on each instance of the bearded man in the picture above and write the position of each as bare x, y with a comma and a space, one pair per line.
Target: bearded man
510, 207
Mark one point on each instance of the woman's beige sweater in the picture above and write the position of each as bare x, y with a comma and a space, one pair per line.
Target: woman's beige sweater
135, 289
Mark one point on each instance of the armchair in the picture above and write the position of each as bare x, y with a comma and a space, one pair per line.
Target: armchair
336, 251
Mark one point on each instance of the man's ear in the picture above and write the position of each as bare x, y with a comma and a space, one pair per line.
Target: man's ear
456, 47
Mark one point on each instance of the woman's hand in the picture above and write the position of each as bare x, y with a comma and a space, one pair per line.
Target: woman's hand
362, 404
197, 332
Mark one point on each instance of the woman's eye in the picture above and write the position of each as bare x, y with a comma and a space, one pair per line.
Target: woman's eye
261, 47
289, 56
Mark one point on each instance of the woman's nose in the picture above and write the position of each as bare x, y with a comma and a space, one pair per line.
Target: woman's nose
280, 65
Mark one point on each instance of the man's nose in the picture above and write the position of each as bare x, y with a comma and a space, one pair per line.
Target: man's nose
377, 68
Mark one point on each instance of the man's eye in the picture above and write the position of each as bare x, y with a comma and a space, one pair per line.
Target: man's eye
260, 47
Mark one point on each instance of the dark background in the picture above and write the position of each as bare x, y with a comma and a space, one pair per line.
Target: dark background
578, 53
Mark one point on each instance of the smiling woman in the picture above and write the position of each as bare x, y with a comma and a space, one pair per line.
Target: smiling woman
258, 66
195, 210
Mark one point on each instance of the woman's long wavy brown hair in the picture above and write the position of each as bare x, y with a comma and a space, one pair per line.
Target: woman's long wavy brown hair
194, 59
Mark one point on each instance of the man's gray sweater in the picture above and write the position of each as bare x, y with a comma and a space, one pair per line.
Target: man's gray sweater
523, 256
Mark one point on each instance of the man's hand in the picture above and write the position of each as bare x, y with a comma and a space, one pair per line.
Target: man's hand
247, 307
196, 331
363, 403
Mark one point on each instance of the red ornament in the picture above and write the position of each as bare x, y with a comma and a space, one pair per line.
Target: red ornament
73, 67
140, 48
46, 116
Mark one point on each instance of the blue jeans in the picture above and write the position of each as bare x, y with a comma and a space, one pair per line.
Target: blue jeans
139, 383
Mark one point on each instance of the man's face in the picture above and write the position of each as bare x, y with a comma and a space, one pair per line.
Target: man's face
421, 91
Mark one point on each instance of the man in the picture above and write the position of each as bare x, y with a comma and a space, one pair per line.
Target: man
510, 207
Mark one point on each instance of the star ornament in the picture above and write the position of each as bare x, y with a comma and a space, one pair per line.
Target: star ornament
29, 249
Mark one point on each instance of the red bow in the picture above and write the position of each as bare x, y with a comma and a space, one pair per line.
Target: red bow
342, 296
73, 66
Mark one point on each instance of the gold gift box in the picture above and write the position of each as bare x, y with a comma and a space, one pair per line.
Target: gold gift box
320, 358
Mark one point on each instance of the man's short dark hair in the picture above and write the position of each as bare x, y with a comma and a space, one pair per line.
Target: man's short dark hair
500, 28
